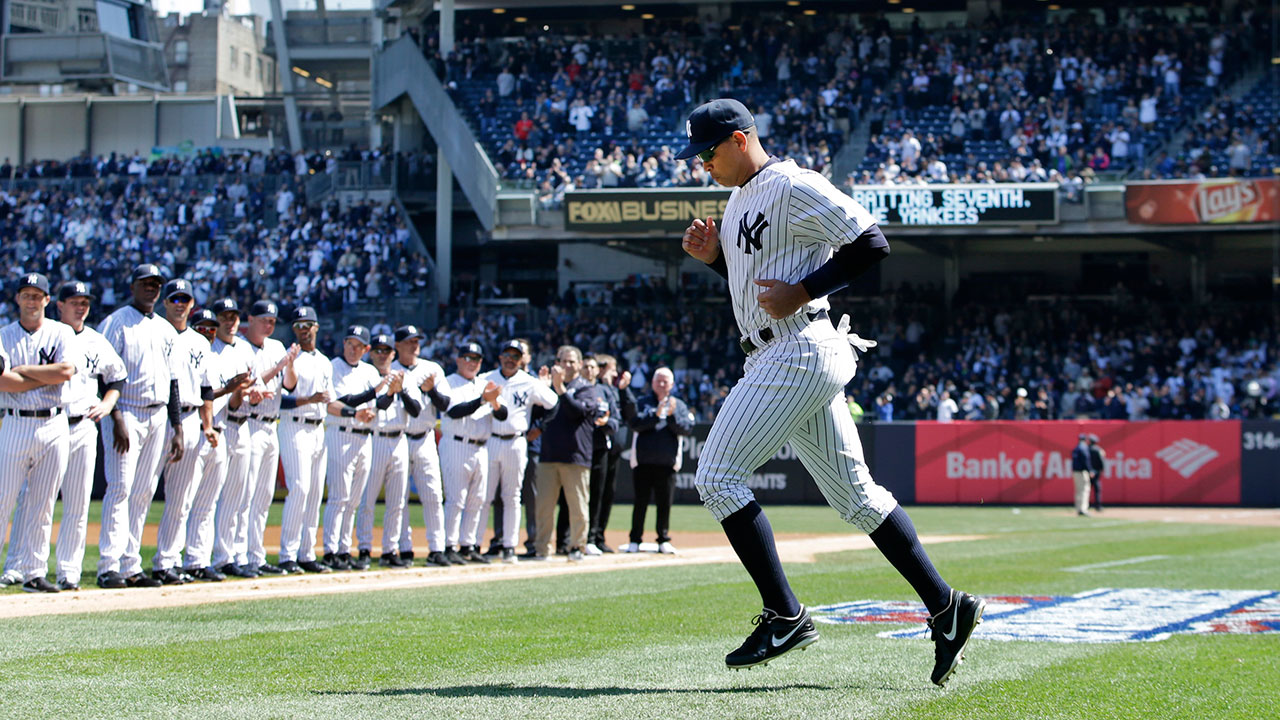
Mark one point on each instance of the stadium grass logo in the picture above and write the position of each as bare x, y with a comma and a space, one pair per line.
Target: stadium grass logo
1106, 615
1186, 456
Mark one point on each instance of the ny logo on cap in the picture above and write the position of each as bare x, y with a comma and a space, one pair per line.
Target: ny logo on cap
33, 279
688, 128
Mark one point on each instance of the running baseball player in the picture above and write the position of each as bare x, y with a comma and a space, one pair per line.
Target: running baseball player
464, 460
99, 363
270, 360
508, 449
34, 440
195, 396
389, 467
421, 378
308, 380
356, 385
229, 521
136, 426
213, 463
775, 248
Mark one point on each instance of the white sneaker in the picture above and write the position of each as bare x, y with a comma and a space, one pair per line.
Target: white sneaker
593, 550
631, 548
667, 548
10, 578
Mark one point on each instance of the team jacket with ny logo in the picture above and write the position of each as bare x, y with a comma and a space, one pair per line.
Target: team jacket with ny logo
783, 224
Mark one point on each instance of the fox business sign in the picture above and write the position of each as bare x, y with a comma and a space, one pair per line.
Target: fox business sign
665, 210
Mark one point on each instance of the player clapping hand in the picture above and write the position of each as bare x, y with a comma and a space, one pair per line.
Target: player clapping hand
702, 240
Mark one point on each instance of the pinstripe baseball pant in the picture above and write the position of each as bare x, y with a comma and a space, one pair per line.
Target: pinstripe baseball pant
77, 484
507, 459
390, 469
264, 468
179, 493
200, 530
229, 519
34, 456
464, 468
349, 457
132, 477
793, 391
424, 470
303, 454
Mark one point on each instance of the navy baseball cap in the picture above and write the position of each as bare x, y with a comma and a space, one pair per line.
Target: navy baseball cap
144, 271
513, 345
33, 280
404, 332
358, 332
305, 313
712, 122
470, 348
204, 316
177, 286
381, 340
225, 305
73, 289
264, 307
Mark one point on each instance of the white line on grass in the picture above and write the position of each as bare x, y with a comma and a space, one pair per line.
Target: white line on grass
1115, 563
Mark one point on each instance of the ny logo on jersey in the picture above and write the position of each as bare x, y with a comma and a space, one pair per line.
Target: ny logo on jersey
519, 399
751, 232
91, 364
168, 347
196, 357
46, 356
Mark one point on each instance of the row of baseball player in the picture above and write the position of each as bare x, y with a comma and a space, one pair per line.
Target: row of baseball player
214, 407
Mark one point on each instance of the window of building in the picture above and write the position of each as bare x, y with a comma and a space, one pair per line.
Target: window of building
248, 65
181, 49
235, 58
261, 78
180, 86
88, 20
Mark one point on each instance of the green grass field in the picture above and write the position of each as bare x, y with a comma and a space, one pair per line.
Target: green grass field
649, 643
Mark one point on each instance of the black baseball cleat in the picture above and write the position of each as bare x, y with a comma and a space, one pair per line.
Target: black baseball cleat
361, 562
289, 567
472, 554
494, 550
407, 557
951, 631
774, 635
111, 580
39, 585
68, 586
438, 559
269, 569
312, 566
234, 570
167, 576
207, 574
140, 580
391, 560
452, 556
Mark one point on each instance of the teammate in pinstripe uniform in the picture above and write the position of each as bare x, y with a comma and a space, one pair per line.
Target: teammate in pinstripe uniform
99, 362
308, 380
356, 385
230, 517
389, 467
508, 450
270, 360
34, 441
136, 425
195, 395
464, 460
421, 376
213, 463
788, 239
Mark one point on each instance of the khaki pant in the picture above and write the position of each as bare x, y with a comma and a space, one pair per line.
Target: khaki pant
1082, 490
575, 480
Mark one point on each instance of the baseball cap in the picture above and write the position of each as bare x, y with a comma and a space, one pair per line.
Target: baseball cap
358, 332
144, 271
34, 280
470, 348
381, 339
264, 307
177, 286
1093, 438
225, 305
304, 313
1084, 436
73, 289
512, 345
712, 122
204, 316
404, 332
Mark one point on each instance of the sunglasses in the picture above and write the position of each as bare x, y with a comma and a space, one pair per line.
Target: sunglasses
470, 358
307, 325
706, 155
380, 350
179, 299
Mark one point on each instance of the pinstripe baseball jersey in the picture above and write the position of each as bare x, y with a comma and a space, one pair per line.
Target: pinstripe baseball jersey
395, 417
413, 379
216, 378
96, 359
265, 358
233, 358
783, 224
476, 425
315, 374
192, 353
520, 393
51, 343
145, 343
351, 379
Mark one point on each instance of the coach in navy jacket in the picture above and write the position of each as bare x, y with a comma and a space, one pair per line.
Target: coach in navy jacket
661, 422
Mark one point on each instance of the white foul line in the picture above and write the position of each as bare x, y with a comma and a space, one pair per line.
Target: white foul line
1115, 563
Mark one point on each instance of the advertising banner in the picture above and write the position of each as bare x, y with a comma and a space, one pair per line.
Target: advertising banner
1148, 463
1224, 200
1260, 464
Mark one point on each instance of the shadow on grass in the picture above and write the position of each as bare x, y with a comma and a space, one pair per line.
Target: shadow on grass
507, 690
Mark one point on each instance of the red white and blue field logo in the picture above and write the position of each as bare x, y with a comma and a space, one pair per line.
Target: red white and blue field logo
1105, 615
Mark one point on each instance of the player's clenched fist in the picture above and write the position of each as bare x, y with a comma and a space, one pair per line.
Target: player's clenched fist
702, 240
